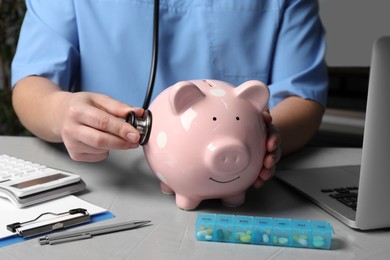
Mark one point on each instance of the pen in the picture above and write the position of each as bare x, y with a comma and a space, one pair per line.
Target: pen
88, 233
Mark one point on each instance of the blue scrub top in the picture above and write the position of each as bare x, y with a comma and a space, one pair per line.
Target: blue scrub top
105, 46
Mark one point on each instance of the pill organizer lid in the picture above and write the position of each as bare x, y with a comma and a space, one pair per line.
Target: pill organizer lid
206, 218
320, 225
244, 220
225, 219
263, 221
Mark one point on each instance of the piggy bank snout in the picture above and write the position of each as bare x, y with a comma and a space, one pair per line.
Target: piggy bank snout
227, 156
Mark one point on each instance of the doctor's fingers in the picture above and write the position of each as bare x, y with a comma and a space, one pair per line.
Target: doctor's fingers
82, 139
114, 107
267, 174
104, 122
274, 139
271, 159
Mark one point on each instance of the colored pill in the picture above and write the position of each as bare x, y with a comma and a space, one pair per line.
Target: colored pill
220, 234
245, 238
228, 235
302, 241
208, 237
318, 241
265, 238
201, 233
304, 236
283, 240
239, 235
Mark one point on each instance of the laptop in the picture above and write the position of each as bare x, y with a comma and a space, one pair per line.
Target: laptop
358, 195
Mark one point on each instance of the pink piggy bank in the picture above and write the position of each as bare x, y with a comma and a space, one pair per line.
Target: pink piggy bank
207, 140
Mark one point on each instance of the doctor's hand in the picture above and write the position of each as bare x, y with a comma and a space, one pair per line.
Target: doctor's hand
89, 124
273, 151
93, 124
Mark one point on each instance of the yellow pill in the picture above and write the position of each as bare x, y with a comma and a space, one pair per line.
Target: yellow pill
246, 238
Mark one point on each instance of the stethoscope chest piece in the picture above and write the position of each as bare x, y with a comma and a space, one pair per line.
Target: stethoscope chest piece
142, 124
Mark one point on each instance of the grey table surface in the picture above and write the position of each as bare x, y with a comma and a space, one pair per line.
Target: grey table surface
125, 185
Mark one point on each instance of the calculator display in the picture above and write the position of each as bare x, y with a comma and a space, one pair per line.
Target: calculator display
42, 180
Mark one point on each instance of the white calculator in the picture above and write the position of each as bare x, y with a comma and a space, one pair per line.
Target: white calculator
26, 183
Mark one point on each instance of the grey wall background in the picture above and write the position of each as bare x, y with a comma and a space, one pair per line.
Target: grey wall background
352, 26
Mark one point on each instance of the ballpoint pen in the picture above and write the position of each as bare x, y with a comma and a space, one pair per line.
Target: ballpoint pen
88, 233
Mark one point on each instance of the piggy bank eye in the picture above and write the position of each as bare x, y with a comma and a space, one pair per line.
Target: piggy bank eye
214, 119
237, 118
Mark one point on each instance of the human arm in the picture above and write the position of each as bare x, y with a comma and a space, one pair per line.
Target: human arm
293, 123
298, 84
297, 120
89, 124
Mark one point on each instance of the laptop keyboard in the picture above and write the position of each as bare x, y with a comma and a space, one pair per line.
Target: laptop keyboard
346, 195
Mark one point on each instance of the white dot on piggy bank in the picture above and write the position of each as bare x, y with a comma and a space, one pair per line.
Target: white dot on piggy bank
162, 140
217, 92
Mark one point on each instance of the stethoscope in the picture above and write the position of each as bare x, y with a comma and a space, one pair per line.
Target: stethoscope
144, 124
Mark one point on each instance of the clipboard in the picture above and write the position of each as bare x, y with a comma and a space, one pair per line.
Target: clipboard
9, 214
53, 221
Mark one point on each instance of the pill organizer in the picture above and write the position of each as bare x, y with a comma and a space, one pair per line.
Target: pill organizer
264, 231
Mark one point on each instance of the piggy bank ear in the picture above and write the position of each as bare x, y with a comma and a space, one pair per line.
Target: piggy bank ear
254, 91
183, 95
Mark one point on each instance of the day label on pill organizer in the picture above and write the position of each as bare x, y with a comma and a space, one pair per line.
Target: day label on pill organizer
264, 231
